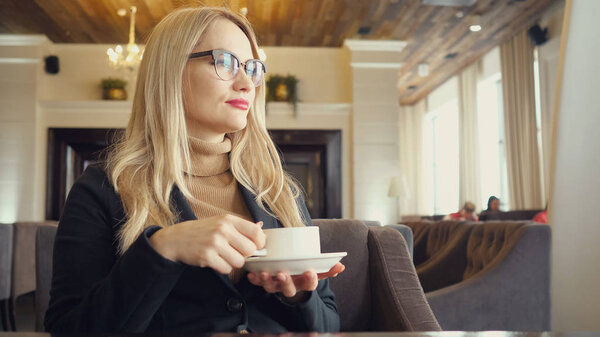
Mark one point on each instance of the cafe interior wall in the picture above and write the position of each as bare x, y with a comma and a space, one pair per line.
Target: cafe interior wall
325, 90
32, 100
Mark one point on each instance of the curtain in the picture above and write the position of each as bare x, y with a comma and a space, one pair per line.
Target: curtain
548, 65
468, 142
522, 155
411, 158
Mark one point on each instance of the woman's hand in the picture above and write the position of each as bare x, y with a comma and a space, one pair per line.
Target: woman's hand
289, 285
220, 242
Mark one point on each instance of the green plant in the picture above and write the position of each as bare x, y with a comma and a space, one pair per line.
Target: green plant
113, 83
289, 81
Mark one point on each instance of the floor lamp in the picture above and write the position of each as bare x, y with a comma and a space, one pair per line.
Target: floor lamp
397, 189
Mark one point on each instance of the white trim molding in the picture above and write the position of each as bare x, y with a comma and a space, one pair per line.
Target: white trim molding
370, 45
306, 109
87, 106
92, 114
22, 40
376, 65
19, 60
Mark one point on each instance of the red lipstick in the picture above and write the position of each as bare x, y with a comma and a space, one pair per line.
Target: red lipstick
239, 103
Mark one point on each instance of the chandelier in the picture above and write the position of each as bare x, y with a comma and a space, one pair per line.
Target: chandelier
130, 57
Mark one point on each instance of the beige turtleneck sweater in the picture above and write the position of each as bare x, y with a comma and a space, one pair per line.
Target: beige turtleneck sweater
213, 185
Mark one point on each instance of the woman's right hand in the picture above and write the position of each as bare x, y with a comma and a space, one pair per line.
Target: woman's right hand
220, 242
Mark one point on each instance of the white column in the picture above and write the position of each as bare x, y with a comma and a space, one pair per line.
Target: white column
375, 67
21, 185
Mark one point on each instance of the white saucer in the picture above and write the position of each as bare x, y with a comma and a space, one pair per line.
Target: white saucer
294, 266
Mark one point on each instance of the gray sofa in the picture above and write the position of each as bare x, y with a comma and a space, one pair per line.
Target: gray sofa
378, 291
6, 252
506, 284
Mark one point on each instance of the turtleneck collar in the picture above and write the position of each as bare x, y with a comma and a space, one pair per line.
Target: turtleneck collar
209, 159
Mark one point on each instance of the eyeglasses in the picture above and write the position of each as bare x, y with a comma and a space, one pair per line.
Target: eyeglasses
227, 65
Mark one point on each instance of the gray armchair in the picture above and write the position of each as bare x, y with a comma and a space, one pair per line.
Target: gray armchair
6, 251
44, 246
379, 290
407, 234
403, 229
507, 281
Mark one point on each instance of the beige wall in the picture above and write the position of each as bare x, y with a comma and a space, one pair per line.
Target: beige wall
82, 67
576, 182
323, 73
31, 101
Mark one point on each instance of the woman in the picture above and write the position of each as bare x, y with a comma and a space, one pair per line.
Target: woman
493, 208
466, 213
155, 239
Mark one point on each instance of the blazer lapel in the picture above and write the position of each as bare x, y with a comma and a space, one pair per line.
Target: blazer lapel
182, 206
258, 214
185, 213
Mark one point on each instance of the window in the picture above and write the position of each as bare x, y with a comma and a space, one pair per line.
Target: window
538, 115
492, 153
440, 147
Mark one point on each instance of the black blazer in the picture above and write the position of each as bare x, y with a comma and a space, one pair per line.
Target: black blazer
94, 289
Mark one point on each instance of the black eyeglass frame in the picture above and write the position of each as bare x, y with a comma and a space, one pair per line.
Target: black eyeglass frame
213, 53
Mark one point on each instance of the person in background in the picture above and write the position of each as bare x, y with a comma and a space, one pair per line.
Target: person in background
493, 207
467, 213
541, 217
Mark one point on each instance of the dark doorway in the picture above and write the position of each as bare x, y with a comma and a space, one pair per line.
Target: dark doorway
312, 157
70, 151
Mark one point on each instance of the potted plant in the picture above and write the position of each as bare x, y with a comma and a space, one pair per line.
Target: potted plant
282, 89
114, 88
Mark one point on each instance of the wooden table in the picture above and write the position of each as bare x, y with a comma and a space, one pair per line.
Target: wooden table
343, 334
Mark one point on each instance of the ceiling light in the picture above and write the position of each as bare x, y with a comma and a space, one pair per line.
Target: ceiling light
475, 28
475, 23
244, 11
423, 70
262, 55
130, 57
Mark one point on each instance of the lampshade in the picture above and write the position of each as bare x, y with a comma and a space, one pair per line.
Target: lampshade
398, 187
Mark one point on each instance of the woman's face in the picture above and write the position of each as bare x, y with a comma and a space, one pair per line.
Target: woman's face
495, 205
213, 106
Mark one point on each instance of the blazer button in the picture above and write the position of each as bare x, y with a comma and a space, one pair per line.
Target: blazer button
234, 304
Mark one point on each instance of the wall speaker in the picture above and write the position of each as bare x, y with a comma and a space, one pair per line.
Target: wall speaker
538, 35
52, 64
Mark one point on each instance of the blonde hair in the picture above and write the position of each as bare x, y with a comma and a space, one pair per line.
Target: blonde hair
152, 156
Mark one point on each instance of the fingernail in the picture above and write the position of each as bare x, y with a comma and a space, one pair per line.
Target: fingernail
281, 277
260, 223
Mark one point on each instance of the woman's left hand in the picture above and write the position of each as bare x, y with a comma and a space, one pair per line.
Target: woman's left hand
289, 285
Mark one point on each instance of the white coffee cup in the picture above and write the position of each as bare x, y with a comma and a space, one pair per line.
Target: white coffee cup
292, 242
